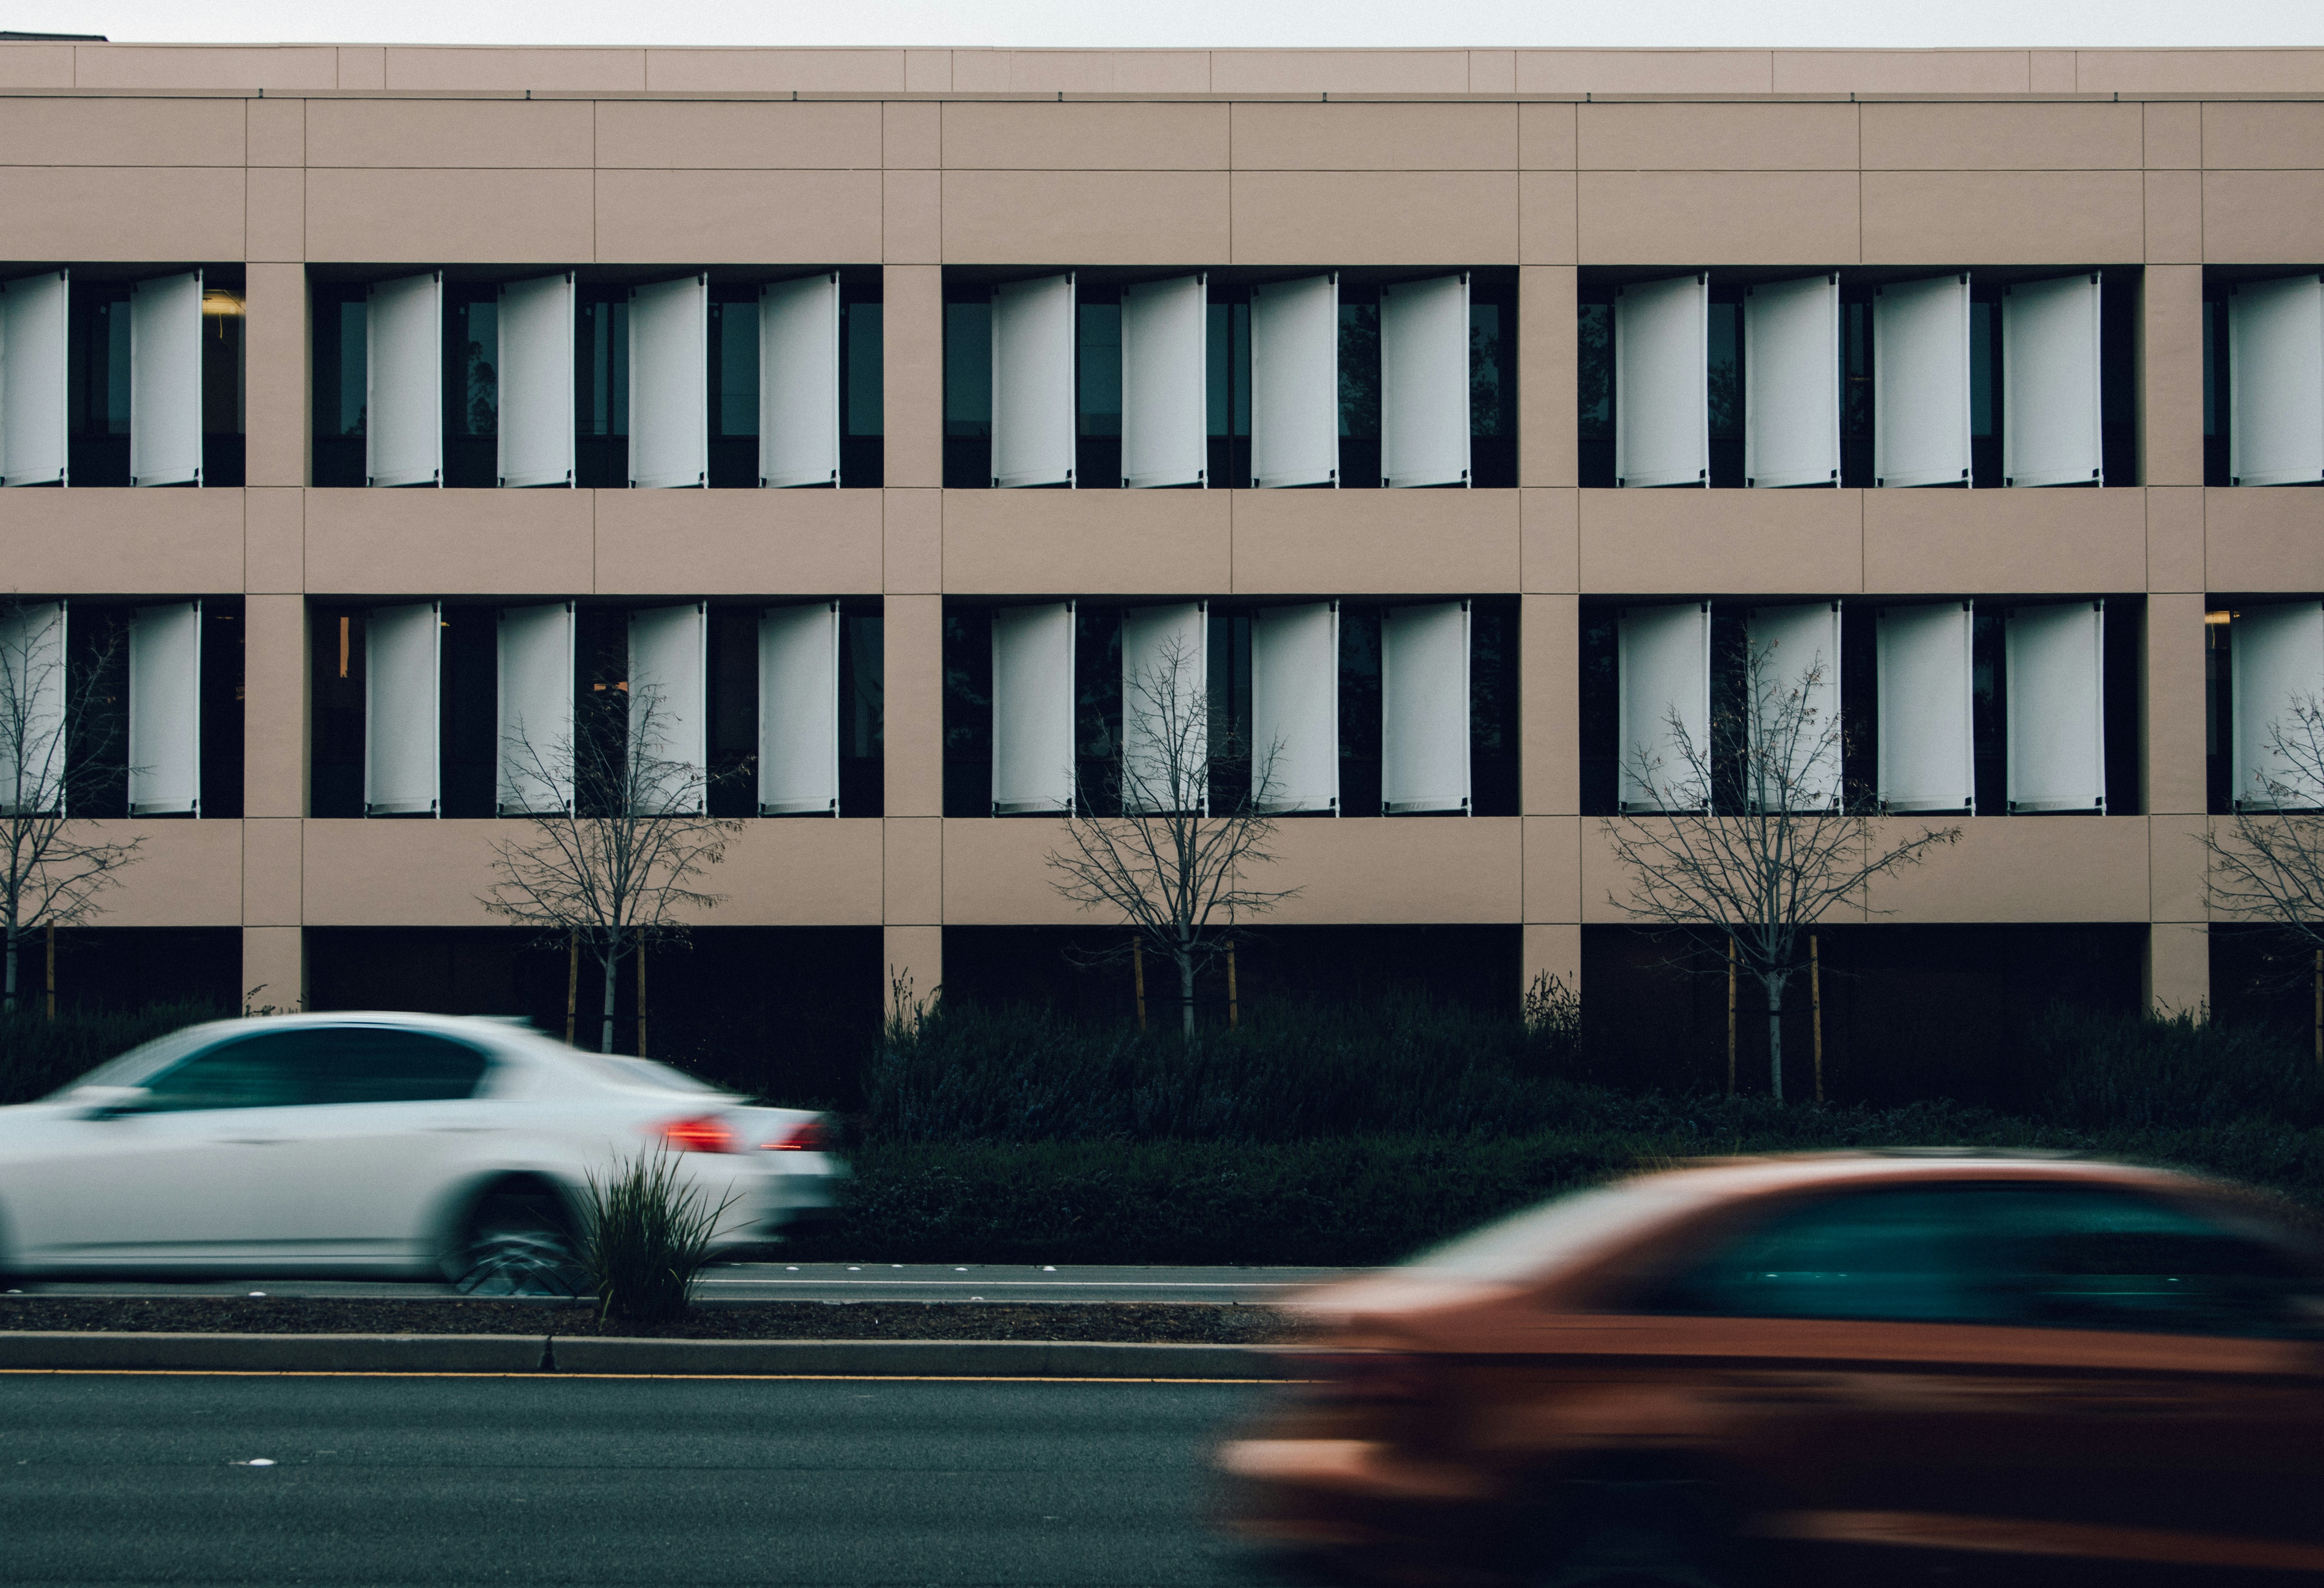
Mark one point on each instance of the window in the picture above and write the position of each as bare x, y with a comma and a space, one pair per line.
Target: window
318, 1065
2041, 1256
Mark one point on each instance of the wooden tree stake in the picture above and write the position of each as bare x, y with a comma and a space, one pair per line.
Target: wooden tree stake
1815, 1010
642, 999
1234, 1010
1730, 1017
572, 985
52, 972
1137, 976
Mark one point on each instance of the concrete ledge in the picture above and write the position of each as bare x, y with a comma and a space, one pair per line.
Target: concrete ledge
521, 1353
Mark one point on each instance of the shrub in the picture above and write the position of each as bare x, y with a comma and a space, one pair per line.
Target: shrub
1292, 1071
648, 1236
1364, 1200
2139, 1072
37, 1056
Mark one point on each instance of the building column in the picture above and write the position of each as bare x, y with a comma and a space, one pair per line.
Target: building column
2177, 967
273, 970
911, 330
1548, 412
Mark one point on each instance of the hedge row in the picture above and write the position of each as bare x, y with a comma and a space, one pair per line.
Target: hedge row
1364, 1200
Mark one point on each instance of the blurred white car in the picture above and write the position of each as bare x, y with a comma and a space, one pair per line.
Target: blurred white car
369, 1145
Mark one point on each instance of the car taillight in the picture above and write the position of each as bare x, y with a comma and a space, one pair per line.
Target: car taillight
806, 1136
1369, 1376
704, 1133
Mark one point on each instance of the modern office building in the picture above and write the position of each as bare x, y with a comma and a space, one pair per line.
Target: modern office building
1460, 412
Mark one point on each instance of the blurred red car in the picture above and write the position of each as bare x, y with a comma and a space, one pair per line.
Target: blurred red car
1849, 1367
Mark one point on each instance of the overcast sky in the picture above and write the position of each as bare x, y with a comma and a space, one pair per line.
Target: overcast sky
1202, 22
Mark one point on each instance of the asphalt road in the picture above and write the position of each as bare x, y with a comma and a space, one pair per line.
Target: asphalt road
117, 1478
834, 1281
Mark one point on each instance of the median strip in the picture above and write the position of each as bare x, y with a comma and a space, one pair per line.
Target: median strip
605, 1356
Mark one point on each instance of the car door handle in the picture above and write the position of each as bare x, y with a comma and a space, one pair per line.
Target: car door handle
253, 1141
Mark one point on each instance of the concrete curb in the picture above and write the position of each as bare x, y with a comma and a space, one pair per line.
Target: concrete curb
522, 1353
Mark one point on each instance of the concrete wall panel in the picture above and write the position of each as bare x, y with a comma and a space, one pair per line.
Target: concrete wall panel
738, 542
123, 213
2022, 868
993, 136
2004, 218
120, 541
1063, 543
2262, 539
186, 873
1719, 218
1352, 870
422, 542
781, 134
2015, 543
473, 216
1718, 137
796, 872
757, 217
1275, 137
1085, 217
1989, 136
121, 131
481, 134
2262, 216
1685, 542
1383, 217
1375, 542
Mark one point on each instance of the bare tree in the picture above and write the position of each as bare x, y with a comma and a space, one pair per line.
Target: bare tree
1758, 836
616, 831
2267, 862
1168, 866
57, 739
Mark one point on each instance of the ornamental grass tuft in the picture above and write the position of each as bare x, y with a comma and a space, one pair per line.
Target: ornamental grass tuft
648, 1237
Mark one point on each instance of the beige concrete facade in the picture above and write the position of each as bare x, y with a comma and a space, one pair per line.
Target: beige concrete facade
301, 163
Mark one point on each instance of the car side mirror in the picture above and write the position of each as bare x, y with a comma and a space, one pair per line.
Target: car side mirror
105, 1103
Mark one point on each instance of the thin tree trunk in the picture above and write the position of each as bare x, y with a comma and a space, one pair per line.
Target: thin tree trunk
1185, 994
1776, 1033
613, 958
8, 1000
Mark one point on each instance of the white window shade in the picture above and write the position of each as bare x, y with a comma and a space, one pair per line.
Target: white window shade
1661, 662
1035, 426
1295, 707
2053, 659
165, 710
1919, 383
403, 656
1924, 694
2276, 375
798, 710
537, 687
33, 381
537, 415
165, 380
1295, 383
32, 707
1791, 382
1033, 709
669, 384
404, 373
1423, 340
669, 719
2050, 414
798, 382
1425, 708
1795, 760
1166, 383
2276, 673
1662, 383
1165, 740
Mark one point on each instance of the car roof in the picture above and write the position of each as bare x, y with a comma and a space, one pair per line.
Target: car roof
1558, 1241
491, 1028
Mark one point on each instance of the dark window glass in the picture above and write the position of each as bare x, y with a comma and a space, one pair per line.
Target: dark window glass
318, 1065
2046, 1256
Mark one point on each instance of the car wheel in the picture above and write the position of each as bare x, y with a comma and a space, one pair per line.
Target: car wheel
518, 1243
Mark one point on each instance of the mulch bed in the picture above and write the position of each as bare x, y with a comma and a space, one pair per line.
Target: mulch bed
1148, 1322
